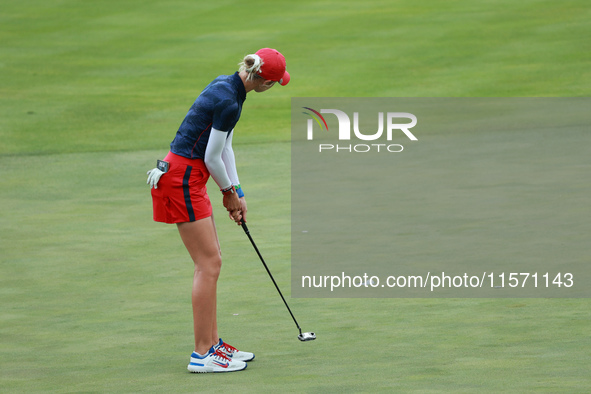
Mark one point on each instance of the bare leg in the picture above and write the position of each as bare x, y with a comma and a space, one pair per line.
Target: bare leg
201, 241
215, 338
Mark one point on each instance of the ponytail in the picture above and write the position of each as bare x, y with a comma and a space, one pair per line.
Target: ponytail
252, 65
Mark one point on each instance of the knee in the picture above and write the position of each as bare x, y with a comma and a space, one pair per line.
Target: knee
210, 267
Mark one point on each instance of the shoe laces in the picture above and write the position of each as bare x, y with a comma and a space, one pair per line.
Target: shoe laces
220, 354
229, 348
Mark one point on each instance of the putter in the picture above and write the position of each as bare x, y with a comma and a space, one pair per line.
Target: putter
303, 336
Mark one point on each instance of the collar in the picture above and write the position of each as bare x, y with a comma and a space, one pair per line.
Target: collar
239, 85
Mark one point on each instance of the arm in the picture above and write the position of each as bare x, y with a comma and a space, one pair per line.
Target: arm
230, 162
213, 158
216, 167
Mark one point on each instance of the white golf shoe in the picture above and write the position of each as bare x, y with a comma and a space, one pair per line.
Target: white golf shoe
232, 353
214, 361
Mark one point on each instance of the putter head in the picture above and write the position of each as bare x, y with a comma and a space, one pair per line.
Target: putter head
306, 336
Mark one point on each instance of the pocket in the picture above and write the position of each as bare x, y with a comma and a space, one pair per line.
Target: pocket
175, 174
197, 177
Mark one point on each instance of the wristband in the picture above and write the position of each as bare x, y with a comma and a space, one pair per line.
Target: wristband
239, 191
228, 191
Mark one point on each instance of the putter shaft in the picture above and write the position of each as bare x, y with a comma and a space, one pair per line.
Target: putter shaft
245, 228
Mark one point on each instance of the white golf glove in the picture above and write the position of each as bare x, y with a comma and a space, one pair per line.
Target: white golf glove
153, 177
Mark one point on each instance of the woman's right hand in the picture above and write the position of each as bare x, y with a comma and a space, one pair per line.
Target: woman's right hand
233, 206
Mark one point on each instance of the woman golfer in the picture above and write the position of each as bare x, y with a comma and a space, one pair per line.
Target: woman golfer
203, 147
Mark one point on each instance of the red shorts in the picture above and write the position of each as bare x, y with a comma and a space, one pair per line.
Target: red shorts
182, 193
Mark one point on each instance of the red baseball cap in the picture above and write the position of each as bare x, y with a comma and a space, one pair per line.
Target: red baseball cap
273, 67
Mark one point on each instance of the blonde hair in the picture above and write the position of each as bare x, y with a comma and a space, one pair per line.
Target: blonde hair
252, 65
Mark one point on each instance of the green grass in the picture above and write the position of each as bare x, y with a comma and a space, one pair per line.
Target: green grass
95, 296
